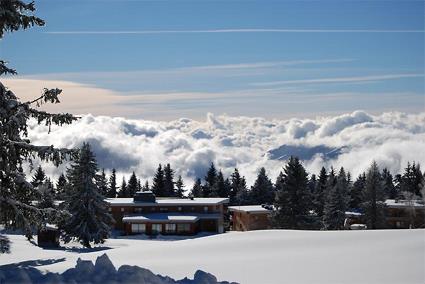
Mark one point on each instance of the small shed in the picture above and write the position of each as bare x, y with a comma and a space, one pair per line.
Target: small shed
48, 236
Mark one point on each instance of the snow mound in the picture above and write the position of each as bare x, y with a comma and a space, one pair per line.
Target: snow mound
103, 271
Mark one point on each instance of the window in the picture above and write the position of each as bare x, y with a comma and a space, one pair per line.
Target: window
138, 210
179, 208
122, 209
109, 209
138, 228
156, 228
182, 228
163, 209
170, 228
206, 209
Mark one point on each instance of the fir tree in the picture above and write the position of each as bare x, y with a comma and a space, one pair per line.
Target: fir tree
210, 180
112, 189
197, 188
243, 197
146, 187
387, 181
123, 189
262, 192
61, 187
357, 191
169, 181
179, 187
158, 187
90, 220
336, 201
102, 183
132, 185
291, 204
15, 147
411, 180
373, 199
46, 195
221, 186
235, 184
39, 177
320, 192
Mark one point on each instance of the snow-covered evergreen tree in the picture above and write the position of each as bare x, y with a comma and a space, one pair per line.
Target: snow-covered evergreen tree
389, 188
292, 200
46, 195
235, 182
90, 220
61, 187
39, 177
373, 199
356, 192
15, 147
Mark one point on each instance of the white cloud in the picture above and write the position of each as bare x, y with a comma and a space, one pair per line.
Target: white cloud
392, 139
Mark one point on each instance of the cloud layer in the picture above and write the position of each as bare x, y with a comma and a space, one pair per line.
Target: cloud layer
392, 139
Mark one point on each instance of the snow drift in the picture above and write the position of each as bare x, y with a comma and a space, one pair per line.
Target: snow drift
103, 271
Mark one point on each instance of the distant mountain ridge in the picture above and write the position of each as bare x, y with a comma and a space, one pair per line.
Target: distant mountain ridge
304, 152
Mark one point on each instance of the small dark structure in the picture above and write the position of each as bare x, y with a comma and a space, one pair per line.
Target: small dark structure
48, 236
144, 196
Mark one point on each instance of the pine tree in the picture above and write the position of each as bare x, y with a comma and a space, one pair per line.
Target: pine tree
210, 180
112, 190
197, 188
389, 188
336, 201
123, 189
235, 184
146, 187
243, 197
15, 147
102, 183
320, 192
61, 187
169, 181
411, 180
179, 187
262, 192
132, 185
90, 220
373, 199
357, 191
46, 195
158, 187
39, 177
221, 186
291, 204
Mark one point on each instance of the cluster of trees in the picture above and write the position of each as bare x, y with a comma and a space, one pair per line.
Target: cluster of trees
28, 205
304, 200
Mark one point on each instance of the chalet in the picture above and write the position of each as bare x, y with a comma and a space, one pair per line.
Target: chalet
144, 213
250, 217
405, 213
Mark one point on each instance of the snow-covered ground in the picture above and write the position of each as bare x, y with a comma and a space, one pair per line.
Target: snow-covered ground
388, 256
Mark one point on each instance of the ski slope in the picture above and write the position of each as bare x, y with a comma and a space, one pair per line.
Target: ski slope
274, 256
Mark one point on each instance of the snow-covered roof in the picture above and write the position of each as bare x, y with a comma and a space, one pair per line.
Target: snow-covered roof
250, 209
393, 203
168, 217
351, 213
167, 201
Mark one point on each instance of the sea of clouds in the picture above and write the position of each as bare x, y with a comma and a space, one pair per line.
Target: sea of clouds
392, 139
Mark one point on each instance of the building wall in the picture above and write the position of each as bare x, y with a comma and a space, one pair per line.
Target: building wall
246, 221
403, 218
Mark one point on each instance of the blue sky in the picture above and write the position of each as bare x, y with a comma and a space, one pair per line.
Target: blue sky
170, 59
